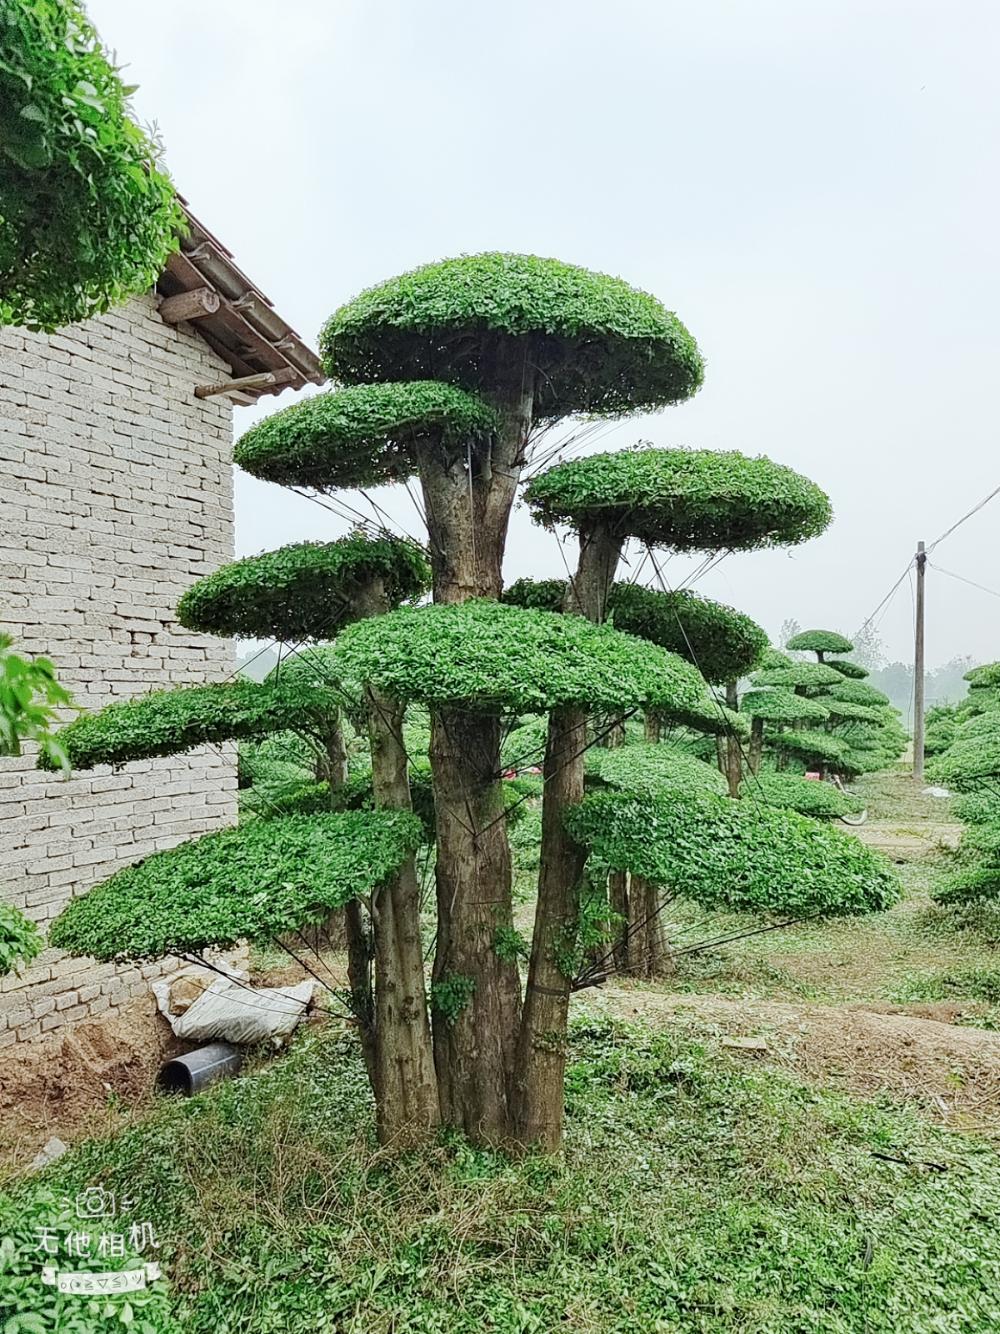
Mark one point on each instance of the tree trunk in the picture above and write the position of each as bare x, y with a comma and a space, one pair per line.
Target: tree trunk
468, 494
405, 1085
652, 958
756, 744
654, 726
541, 1051
360, 948
734, 753
618, 897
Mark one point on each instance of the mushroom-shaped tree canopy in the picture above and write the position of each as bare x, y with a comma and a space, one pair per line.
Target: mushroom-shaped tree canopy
853, 671
309, 590
657, 769
483, 656
800, 676
813, 747
709, 715
594, 343
973, 760
773, 658
732, 854
169, 722
721, 642
857, 692
819, 642
783, 706
361, 436
684, 499
253, 882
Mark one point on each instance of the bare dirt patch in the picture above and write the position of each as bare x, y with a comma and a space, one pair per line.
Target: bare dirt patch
83, 1081
952, 1073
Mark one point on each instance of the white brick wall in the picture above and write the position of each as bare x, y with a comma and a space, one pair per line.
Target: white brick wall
115, 495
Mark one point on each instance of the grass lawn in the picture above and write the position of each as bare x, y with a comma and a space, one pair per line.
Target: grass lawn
695, 1195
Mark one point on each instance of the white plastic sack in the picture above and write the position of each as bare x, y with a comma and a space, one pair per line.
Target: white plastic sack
230, 1010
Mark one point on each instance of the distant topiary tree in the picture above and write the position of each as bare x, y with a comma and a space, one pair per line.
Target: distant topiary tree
87, 218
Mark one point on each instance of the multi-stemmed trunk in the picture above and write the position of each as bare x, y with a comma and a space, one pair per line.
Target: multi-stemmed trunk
541, 1052
476, 994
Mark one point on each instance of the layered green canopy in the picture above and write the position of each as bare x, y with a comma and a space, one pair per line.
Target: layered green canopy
485, 656
362, 436
813, 747
721, 642
852, 670
592, 343
733, 855
684, 499
800, 676
778, 705
306, 591
973, 760
819, 641
253, 882
984, 677
857, 692
821, 801
168, 722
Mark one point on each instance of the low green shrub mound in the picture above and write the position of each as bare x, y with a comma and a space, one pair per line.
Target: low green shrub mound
168, 722
733, 855
249, 883
822, 801
970, 884
653, 770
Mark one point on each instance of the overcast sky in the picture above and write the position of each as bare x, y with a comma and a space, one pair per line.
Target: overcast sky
812, 187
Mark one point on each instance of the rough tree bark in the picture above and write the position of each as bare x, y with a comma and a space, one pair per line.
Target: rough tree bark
734, 755
468, 495
756, 744
541, 1051
407, 1102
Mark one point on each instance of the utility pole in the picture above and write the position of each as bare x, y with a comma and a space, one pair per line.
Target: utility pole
918, 668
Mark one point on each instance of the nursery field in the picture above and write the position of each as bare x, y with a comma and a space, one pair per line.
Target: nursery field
794, 1132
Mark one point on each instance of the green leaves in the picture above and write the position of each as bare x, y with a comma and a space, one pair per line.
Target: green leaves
20, 940
721, 642
594, 343
254, 882
683, 499
733, 855
169, 722
779, 705
820, 641
306, 591
485, 656
655, 770
86, 216
30, 696
363, 436
822, 801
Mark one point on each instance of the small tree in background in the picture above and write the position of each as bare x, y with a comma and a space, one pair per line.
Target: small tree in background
87, 218
820, 642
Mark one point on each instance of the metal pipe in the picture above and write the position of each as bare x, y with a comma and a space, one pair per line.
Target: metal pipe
191, 1073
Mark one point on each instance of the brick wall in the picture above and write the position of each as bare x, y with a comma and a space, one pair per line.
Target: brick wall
115, 495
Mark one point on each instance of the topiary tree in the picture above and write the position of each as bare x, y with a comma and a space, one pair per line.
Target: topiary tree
778, 707
87, 218
447, 375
